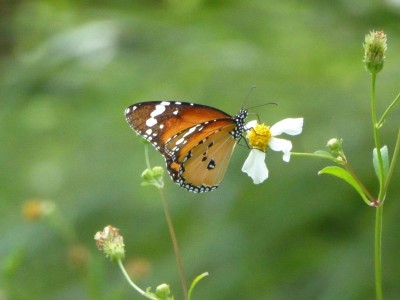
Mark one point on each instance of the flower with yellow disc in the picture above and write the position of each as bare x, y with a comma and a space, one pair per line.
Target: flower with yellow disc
262, 137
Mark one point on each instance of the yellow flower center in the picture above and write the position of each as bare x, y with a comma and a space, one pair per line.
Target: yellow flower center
259, 137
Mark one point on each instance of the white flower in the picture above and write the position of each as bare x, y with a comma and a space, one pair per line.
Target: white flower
260, 137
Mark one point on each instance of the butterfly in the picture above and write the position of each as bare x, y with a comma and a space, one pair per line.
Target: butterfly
195, 140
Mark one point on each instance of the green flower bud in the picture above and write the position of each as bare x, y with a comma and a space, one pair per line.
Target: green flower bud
147, 175
153, 177
335, 145
375, 47
163, 291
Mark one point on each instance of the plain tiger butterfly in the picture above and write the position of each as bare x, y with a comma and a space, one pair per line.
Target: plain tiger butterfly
196, 140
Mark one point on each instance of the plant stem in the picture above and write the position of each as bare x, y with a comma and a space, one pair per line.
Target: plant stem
379, 207
315, 155
382, 120
131, 283
175, 245
376, 138
362, 186
392, 164
378, 252
146, 156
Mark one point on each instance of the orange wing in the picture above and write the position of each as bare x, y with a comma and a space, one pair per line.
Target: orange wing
158, 121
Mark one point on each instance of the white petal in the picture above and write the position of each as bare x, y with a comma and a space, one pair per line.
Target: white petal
255, 166
251, 124
291, 126
281, 145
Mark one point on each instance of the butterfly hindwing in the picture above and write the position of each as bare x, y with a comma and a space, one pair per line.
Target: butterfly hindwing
180, 144
203, 167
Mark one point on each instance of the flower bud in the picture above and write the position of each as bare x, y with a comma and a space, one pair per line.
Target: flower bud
153, 177
111, 243
375, 47
163, 291
335, 145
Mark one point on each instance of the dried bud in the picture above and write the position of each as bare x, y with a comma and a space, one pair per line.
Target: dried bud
111, 243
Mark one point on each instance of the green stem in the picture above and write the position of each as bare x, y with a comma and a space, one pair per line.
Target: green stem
359, 182
131, 283
146, 156
382, 120
376, 138
195, 282
378, 252
175, 245
392, 165
315, 155
379, 208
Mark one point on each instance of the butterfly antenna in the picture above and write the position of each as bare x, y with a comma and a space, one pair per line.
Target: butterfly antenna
248, 95
256, 106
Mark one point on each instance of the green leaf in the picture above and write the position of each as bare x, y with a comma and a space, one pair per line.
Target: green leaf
346, 176
385, 161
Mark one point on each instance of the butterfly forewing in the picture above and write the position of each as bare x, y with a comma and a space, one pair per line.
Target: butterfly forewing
157, 121
180, 144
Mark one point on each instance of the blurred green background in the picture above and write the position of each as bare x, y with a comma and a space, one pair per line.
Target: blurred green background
69, 69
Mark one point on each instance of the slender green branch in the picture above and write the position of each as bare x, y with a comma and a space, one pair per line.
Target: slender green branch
315, 155
195, 282
146, 156
175, 245
392, 165
378, 252
383, 118
365, 190
131, 283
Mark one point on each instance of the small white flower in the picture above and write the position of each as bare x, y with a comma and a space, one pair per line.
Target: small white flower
260, 137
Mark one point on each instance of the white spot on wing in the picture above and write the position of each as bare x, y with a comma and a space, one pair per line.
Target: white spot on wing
179, 141
158, 110
149, 131
165, 103
190, 131
151, 122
